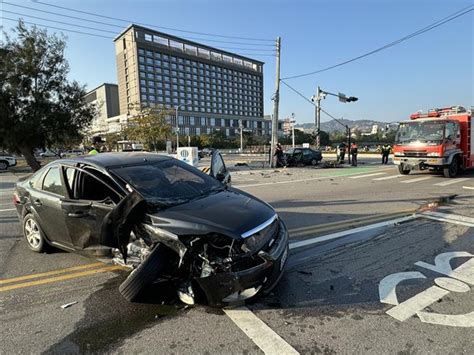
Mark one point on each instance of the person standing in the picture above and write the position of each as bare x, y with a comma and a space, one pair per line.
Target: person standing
354, 154
386, 148
93, 151
280, 156
342, 152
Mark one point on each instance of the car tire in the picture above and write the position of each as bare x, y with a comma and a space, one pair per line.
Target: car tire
3, 165
452, 169
144, 274
33, 234
314, 162
403, 171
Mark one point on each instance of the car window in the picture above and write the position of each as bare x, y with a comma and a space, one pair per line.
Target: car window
307, 152
87, 187
52, 182
36, 179
297, 151
168, 182
218, 166
290, 151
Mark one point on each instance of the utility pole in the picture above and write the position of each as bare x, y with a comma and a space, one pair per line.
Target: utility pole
317, 112
293, 129
276, 101
241, 136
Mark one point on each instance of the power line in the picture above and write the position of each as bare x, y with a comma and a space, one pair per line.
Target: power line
391, 44
144, 24
311, 102
121, 27
111, 38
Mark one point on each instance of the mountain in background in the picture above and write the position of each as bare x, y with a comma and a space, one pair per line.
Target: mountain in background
333, 126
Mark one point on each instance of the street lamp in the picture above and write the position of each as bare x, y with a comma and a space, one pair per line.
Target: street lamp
177, 126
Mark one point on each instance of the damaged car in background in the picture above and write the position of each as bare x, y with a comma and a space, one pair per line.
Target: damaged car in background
163, 218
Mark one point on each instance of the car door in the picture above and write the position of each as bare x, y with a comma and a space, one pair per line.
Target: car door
93, 194
307, 156
47, 204
218, 168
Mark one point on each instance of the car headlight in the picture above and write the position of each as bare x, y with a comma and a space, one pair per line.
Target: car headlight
399, 154
434, 155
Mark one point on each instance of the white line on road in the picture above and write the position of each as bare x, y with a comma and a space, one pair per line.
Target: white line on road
416, 180
468, 187
10, 209
364, 176
388, 177
450, 182
341, 234
452, 218
260, 333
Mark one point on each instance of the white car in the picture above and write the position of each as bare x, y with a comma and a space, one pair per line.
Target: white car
6, 161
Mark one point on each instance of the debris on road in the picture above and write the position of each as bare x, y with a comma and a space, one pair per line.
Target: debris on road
67, 305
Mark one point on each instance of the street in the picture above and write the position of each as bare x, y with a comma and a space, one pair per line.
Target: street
358, 280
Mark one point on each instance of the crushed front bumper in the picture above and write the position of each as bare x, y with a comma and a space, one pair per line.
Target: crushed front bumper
263, 276
417, 162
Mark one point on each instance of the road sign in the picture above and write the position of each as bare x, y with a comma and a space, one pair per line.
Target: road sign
342, 97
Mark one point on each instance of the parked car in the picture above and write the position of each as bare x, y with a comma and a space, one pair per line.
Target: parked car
164, 217
72, 153
49, 154
302, 156
6, 161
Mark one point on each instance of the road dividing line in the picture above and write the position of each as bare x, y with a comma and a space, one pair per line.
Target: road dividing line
60, 278
10, 209
364, 176
388, 177
468, 187
49, 273
416, 180
450, 182
260, 333
304, 243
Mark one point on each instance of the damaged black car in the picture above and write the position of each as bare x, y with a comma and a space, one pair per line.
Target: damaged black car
163, 218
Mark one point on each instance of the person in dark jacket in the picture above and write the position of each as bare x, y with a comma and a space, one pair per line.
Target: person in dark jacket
386, 148
354, 154
342, 152
280, 156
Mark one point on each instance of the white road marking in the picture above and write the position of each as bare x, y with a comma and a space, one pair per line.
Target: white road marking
416, 179
464, 272
315, 240
10, 209
468, 187
388, 284
413, 305
454, 320
451, 182
388, 177
260, 333
364, 176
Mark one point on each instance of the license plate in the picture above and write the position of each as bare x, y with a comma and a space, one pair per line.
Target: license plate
283, 259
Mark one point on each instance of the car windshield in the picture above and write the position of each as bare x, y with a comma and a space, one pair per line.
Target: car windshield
423, 132
169, 182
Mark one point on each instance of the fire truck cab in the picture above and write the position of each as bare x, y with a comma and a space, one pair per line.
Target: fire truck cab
440, 140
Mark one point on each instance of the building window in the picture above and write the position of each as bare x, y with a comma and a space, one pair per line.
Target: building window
191, 121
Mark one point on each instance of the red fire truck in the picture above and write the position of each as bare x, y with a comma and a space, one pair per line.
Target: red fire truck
440, 140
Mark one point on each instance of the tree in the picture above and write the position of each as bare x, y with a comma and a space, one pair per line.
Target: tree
39, 107
149, 125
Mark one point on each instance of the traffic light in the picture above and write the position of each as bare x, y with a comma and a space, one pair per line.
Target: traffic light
351, 99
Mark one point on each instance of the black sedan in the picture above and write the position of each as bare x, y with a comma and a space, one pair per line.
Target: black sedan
166, 219
302, 156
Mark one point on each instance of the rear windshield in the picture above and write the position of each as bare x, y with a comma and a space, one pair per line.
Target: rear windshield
169, 182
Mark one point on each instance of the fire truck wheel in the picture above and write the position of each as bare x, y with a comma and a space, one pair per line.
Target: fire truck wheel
403, 171
453, 168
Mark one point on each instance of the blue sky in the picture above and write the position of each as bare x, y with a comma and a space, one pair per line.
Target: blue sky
432, 70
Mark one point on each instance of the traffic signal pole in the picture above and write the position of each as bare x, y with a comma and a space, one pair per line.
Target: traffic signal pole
318, 117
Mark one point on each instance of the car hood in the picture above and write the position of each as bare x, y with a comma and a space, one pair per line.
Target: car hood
230, 212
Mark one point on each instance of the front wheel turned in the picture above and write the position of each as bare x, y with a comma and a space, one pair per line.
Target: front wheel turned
403, 171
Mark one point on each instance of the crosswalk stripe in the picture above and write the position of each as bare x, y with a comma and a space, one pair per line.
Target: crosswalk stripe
451, 182
468, 187
364, 176
415, 180
388, 177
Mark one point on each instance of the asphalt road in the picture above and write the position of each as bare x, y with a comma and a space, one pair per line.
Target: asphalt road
331, 299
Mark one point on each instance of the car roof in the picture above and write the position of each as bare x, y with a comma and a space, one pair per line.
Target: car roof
108, 160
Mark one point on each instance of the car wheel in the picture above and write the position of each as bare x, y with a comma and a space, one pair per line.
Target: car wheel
314, 162
3, 165
144, 274
402, 171
453, 168
33, 234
